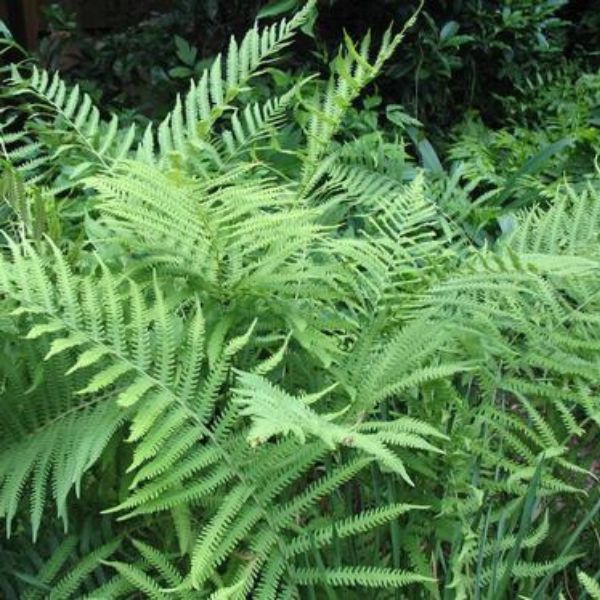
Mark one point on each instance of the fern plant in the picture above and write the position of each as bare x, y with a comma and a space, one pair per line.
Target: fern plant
274, 369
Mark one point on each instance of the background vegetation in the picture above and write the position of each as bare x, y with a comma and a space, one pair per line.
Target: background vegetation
310, 311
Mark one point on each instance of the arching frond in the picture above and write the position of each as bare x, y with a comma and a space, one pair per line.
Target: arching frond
187, 126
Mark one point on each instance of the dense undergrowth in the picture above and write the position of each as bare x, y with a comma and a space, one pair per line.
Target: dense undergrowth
275, 346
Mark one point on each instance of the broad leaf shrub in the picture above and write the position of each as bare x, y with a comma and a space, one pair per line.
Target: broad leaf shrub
244, 358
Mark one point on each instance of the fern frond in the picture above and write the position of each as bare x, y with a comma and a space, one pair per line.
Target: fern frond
590, 585
255, 123
352, 72
370, 577
357, 524
60, 581
138, 579
275, 412
71, 125
54, 445
188, 125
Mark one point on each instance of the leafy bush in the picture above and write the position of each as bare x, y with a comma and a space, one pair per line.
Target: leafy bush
252, 352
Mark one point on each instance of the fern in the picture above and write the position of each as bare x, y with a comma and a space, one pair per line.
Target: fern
590, 585
68, 119
363, 577
70, 434
143, 380
274, 412
65, 570
283, 363
192, 118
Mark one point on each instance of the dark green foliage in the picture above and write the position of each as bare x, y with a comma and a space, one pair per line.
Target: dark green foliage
121, 68
464, 55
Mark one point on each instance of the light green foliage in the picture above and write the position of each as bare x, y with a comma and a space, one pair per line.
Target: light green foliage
66, 118
236, 363
590, 585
